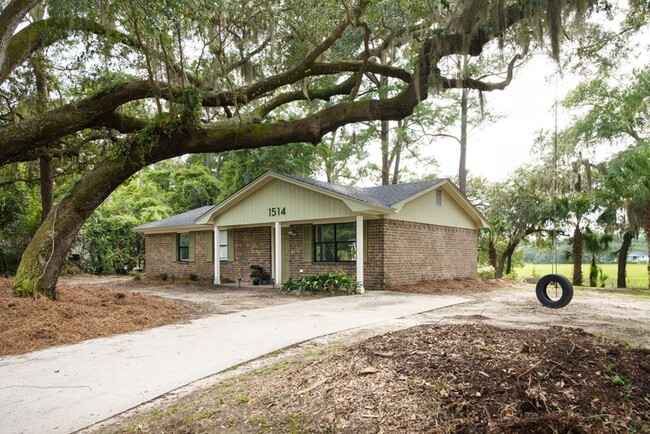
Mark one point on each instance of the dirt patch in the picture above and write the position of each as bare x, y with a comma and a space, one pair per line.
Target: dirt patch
431, 378
454, 286
219, 299
81, 312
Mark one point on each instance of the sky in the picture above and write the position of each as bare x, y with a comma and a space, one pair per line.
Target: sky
525, 107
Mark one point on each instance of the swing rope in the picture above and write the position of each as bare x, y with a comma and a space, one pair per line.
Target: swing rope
557, 280
555, 183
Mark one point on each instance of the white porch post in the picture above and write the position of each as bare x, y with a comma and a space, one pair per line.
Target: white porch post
273, 273
360, 258
278, 252
216, 257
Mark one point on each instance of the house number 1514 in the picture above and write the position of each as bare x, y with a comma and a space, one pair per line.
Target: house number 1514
277, 211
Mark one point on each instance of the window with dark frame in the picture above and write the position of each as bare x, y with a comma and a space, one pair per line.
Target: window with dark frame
183, 243
438, 197
335, 242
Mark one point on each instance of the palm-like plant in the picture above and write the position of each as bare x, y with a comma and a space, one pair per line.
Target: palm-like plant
595, 244
629, 177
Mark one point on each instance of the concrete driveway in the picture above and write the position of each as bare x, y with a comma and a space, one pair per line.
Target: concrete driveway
68, 388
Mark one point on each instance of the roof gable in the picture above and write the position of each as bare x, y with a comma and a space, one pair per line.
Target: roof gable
379, 200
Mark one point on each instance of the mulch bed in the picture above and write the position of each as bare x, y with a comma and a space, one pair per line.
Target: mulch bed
79, 313
433, 379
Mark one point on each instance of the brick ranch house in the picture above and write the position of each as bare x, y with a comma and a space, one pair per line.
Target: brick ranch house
292, 226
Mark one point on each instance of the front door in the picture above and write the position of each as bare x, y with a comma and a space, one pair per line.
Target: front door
286, 254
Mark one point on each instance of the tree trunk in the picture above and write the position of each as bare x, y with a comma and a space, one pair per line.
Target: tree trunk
578, 245
505, 257
46, 253
11, 16
45, 161
462, 170
492, 254
646, 229
47, 190
622, 259
384, 136
593, 273
397, 152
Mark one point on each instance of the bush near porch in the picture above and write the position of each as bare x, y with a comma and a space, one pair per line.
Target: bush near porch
324, 282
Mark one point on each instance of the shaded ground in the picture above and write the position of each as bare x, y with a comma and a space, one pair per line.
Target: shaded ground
222, 299
430, 378
80, 313
497, 364
100, 306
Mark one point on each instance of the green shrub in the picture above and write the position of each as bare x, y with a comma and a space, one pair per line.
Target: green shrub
323, 282
486, 274
194, 277
163, 276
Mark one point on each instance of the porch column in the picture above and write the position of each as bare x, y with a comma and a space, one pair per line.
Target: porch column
360, 249
216, 257
278, 252
273, 274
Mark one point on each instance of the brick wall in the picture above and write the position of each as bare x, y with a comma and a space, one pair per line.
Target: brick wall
399, 253
252, 246
158, 257
414, 252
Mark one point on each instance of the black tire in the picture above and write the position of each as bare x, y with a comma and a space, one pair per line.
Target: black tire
542, 291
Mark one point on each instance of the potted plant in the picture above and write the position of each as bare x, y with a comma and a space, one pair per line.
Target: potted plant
256, 274
266, 278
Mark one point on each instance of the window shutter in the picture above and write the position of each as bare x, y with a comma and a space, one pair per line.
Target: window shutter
190, 236
306, 243
365, 241
209, 245
231, 245
174, 251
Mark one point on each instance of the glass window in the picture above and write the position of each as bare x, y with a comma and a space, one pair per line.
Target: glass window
439, 197
183, 243
223, 245
335, 242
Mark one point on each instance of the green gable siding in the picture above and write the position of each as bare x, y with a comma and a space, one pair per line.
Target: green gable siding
424, 210
298, 203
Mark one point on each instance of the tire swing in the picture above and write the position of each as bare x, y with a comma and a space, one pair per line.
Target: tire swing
551, 299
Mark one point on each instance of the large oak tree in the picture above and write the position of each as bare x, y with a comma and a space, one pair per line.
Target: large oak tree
144, 81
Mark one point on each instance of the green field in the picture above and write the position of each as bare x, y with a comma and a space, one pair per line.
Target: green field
637, 274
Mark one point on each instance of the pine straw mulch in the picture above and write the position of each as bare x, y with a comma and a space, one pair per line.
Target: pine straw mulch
79, 313
454, 286
432, 379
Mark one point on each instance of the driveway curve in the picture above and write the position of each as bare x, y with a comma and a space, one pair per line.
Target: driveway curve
65, 389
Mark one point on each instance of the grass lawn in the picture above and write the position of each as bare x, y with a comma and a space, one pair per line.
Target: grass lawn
637, 274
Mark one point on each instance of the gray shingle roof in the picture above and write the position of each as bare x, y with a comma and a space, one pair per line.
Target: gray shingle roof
382, 196
185, 219
351, 192
389, 195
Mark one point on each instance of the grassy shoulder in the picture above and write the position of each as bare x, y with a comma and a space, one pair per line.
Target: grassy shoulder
429, 378
637, 274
